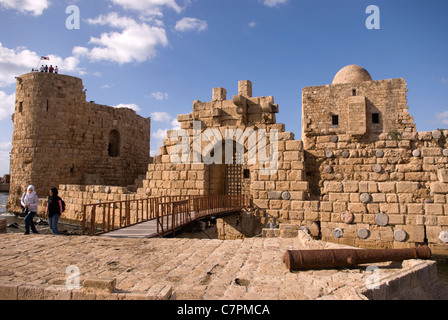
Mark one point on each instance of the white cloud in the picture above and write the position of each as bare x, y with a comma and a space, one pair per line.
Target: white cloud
274, 3
14, 62
442, 117
137, 42
191, 24
7, 104
150, 7
160, 117
37, 7
252, 24
132, 106
160, 95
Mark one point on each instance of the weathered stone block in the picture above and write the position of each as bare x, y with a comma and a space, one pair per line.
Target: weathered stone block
30, 292
433, 209
404, 187
442, 175
100, 284
415, 208
8, 291
439, 187
57, 293
386, 187
333, 186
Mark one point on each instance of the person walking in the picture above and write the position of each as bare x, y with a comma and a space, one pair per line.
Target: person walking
54, 210
30, 202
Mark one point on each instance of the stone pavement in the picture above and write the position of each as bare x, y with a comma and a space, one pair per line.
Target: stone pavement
37, 267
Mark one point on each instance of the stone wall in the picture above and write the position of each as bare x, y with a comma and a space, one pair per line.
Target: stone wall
59, 138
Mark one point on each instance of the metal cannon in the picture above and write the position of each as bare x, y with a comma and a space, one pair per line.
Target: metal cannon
345, 258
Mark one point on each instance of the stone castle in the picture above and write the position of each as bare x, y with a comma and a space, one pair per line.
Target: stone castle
361, 175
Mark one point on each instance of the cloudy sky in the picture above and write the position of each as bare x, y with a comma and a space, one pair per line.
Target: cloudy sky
157, 56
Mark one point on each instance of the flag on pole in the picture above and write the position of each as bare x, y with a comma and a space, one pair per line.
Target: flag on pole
44, 58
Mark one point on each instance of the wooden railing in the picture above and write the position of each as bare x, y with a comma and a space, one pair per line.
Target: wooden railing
169, 212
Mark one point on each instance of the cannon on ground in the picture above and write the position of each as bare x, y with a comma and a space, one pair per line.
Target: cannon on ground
345, 258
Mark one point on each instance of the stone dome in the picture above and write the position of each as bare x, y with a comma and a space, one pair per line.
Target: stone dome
352, 74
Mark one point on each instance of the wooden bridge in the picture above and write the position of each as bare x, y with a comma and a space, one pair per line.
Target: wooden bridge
156, 217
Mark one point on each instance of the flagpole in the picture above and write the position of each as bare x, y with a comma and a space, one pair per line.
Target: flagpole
37, 68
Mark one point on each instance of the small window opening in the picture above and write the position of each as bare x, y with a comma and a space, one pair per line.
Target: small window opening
246, 174
114, 144
20, 106
354, 92
335, 120
47, 105
375, 117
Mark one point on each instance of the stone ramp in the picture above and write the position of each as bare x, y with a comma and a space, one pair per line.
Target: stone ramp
183, 269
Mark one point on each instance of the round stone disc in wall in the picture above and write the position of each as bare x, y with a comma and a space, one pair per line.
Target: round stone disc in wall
437, 134
416, 153
347, 217
365, 198
346, 154
334, 139
286, 195
328, 169
329, 154
382, 219
400, 235
379, 154
338, 233
107, 190
363, 233
443, 236
377, 168
445, 152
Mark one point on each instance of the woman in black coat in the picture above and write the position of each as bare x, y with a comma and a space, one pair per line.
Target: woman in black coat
54, 210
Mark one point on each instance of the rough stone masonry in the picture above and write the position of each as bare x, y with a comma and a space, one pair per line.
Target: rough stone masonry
361, 175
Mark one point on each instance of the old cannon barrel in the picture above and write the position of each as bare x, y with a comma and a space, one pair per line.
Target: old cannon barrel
340, 258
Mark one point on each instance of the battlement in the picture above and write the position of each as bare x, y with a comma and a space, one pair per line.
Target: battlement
242, 111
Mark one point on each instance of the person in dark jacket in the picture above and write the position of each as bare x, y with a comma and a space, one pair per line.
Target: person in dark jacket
54, 210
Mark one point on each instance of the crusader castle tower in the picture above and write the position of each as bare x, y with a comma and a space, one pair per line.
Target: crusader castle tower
59, 138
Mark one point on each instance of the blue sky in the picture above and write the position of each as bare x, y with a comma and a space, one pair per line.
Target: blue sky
157, 56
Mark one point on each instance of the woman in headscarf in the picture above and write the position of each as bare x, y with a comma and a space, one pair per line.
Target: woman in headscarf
30, 201
54, 210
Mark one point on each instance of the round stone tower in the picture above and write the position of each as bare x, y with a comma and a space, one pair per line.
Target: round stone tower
39, 121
